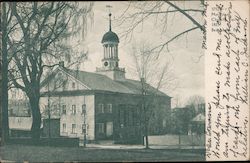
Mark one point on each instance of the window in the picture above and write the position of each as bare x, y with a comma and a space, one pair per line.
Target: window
83, 109
73, 131
121, 116
64, 127
11, 112
109, 129
109, 108
57, 83
125, 117
64, 84
130, 117
73, 109
100, 108
56, 110
73, 85
59, 75
46, 110
64, 109
100, 127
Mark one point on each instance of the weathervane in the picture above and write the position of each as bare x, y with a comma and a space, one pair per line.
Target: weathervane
109, 8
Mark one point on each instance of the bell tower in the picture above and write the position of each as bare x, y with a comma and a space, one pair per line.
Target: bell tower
110, 61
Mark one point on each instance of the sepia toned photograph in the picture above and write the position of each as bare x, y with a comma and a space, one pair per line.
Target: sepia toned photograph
103, 81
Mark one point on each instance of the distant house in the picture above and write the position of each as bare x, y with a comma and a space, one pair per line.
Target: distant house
197, 125
180, 119
188, 119
105, 105
20, 121
201, 108
19, 108
20, 126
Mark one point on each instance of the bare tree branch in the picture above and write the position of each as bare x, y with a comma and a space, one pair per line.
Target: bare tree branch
161, 46
187, 15
145, 11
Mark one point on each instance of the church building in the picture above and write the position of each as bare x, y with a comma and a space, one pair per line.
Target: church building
101, 105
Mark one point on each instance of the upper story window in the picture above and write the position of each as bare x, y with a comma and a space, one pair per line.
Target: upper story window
64, 109
100, 127
83, 109
100, 108
46, 110
73, 85
109, 108
58, 81
55, 107
64, 127
59, 75
73, 109
56, 110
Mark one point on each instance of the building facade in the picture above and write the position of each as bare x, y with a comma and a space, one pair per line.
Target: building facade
103, 105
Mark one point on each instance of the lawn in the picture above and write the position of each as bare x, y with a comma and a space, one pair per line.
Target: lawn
62, 154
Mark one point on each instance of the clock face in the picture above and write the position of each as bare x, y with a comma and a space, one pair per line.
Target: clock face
105, 63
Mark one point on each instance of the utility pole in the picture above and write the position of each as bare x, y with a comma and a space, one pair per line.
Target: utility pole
85, 128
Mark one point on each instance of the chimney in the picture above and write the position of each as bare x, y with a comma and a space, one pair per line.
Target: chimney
143, 80
61, 64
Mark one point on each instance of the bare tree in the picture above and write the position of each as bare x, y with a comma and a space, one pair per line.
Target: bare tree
37, 34
150, 73
176, 101
4, 75
138, 13
194, 101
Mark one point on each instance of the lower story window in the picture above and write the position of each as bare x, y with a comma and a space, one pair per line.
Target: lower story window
100, 127
73, 131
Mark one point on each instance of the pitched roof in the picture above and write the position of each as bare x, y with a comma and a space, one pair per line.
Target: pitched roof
99, 82
136, 86
199, 118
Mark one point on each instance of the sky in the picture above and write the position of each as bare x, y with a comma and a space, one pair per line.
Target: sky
183, 52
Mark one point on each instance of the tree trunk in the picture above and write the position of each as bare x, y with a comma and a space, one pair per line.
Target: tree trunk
4, 107
146, 137
36, 118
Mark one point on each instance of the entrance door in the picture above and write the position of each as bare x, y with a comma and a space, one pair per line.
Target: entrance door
109, 129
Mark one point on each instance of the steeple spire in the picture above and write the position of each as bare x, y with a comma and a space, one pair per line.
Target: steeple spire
109, 6
110, 21
110, 62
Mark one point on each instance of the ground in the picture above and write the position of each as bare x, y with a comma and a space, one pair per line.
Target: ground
62, 154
